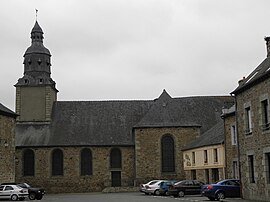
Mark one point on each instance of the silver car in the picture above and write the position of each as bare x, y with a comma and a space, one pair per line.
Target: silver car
153, 188
13, 192
143, 186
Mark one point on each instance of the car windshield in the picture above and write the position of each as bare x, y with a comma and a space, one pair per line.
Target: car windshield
153, 182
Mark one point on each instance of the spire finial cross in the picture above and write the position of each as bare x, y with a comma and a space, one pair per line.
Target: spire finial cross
36, 13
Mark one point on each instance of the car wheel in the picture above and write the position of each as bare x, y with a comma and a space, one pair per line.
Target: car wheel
32, 196
14, 197
39, 197
157, 192
220, 196
211, 198
181, 193
166, 193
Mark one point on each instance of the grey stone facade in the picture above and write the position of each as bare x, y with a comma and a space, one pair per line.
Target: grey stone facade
7, 144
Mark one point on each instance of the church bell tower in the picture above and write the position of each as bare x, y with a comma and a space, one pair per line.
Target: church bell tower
36, 91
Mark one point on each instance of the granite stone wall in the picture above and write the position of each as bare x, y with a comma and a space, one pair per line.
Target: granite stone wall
148, 152
7, 149
72, 181
256, 143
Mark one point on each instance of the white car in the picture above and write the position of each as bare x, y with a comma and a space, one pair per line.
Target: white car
13, 192
143, 186
153, 188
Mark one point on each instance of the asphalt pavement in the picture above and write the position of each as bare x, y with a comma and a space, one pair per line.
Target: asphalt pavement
125, 197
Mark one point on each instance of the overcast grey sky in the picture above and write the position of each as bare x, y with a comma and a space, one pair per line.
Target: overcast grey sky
133, 49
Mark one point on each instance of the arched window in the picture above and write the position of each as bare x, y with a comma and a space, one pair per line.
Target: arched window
28, 163
86, 162
116, 158
167, 154
57, 162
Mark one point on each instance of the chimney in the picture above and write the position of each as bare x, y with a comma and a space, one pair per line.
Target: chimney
267, 39
240, 82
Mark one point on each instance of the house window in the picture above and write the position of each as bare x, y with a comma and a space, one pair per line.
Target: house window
57, 162
193, 174
233, 135
28, 163
251, 168
265, 124
235, 170
86, 162
267, 164
116, 158
205, 156
248, 121
193, 158
167, 154
215, 155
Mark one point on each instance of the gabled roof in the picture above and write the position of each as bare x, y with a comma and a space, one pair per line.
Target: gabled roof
213, 136
6, 111
259, 74
200, 111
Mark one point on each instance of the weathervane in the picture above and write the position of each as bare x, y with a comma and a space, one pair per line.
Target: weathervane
36, 13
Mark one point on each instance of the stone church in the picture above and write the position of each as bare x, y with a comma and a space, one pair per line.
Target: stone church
82, 146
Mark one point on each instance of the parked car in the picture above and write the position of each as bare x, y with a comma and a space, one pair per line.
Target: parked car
185, 187
164, 186
34, 193
142, 186
221, 190
12, 192
154, 187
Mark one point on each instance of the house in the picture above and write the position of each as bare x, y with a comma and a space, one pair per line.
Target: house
7, 144
252, 120
204, 158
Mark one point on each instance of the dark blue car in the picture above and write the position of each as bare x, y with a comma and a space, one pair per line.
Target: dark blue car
221, 190
164, 186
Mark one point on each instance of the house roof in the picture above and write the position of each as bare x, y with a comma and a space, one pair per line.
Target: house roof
260, 73
108, 123
6, 111
213, 136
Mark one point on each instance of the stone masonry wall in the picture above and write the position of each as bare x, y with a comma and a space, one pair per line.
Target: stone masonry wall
71, 181
257, 143
7, 149
148, 152
230, 148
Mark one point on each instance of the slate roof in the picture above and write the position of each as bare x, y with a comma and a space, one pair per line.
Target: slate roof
260, 73
108, 123
6, 111
213, 136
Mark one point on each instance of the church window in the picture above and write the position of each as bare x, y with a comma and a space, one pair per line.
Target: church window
86, 162
167, 154
57, 162
28, 163
26, 81
39, 61
115, 158
40, 81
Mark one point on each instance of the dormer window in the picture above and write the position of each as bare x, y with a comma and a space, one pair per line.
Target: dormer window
40, 80
39, 61
26, 81
29, 61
